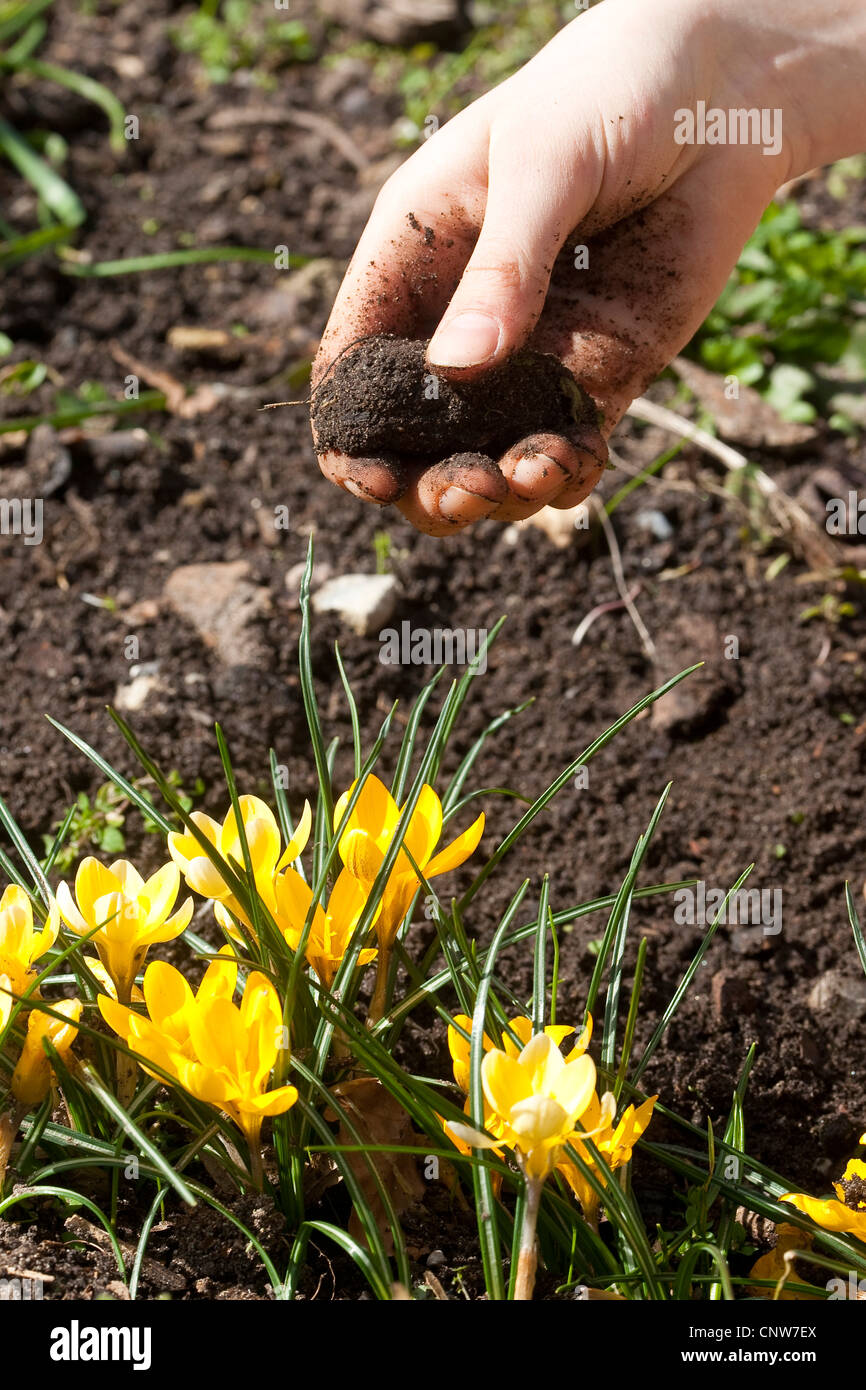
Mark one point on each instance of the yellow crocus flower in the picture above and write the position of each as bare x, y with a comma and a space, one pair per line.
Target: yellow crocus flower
220, 1053
364, 842
32, 1076
264, 841
848, 1212
521, 1027
20, 945
536, 1100
332, 927
131, 914
614, 1141
366, 838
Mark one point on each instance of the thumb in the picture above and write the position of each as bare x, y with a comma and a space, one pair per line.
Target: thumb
503, 288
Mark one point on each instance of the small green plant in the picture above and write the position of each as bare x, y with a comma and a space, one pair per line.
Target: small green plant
794, 303
22, 378
231, 35
382, 547
96, 823
831, 608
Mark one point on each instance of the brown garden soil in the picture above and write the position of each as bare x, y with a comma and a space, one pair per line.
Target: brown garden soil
766, 752
373, 402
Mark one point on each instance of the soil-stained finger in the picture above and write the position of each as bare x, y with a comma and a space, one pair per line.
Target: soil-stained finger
376, 480
453, 494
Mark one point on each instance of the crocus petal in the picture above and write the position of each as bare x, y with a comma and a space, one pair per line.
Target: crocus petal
166, 992
118, 917
7, 1003
829, 1214
582, 1043
129, 881
117, 1016
183, 846
505, 1081
204, 1083
69, 911
361, 856
457, 852
262, 1018
346, 903
176, 924
48, 934
275, 1102
93, 881
16, 924
573, 1087
375, 811
468, 1135
204, 878
160, 890
298, 843
538, 1120
292, 898
425, 826
220, 978
217, 1034
262, 836
544, 1062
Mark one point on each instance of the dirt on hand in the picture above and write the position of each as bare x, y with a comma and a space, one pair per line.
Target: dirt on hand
381, 398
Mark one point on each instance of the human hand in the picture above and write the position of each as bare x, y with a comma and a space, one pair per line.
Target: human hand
560, 211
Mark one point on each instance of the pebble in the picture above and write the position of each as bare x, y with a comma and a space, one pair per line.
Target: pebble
731, 995
836, 993
222, 605
649, 519
135, 694
364, 602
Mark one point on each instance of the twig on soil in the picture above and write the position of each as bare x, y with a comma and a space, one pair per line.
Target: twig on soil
433, 1283
231, 118
793, 519
646, 641
177, 402
586, 623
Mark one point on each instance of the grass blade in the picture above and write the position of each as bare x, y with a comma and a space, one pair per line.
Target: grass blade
169, 260
55, 193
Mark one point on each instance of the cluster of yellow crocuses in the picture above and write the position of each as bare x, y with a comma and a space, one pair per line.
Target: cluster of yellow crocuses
538, 1102
21, 946
219, 1052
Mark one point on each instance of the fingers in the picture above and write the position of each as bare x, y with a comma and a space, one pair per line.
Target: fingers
547, 470
453, 494
376, 480
527, 216
541, 469
417, 241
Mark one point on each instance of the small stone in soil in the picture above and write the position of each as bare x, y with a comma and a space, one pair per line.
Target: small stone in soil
363, 601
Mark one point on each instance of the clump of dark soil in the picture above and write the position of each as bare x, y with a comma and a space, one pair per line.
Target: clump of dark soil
381, 397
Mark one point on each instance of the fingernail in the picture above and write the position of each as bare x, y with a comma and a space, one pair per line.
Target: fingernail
536, 475
467, 341
360, 493
456, 504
